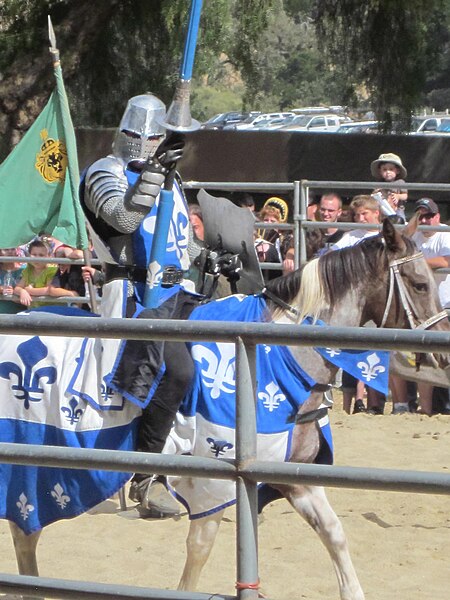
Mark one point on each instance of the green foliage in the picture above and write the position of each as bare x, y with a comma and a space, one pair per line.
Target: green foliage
206, 101
251, 18
384, 47
389, 55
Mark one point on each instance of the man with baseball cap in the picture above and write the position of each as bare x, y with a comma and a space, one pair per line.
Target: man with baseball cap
435, 246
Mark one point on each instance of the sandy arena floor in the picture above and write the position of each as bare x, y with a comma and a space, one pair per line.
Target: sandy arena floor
400, 543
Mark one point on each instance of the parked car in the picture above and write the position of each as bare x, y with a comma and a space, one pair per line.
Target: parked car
313, 123
220, 120
251, 122
425, 124
359, 127
271, 123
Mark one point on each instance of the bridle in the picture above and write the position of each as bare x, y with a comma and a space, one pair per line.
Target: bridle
405, 298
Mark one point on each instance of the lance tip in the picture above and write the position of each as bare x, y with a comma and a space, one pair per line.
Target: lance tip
51, 34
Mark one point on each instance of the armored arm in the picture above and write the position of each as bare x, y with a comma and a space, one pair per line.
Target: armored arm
110, 198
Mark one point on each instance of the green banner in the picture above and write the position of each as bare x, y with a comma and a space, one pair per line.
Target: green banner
39, 180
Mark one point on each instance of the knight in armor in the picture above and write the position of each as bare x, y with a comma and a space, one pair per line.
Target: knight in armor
120, 195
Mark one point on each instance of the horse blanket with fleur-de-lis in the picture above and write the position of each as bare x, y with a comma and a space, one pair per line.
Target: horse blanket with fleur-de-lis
38, 406
206, 423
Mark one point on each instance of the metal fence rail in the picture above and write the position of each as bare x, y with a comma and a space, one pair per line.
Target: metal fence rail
245, 469
300, 192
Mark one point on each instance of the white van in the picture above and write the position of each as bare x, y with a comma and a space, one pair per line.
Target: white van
252, 121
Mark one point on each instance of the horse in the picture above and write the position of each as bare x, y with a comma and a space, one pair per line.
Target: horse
383, 279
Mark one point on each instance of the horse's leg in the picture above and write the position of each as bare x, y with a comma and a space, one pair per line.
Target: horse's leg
199, 543
312, 504
25, 548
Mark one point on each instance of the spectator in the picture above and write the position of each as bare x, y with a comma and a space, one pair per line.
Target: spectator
10, 274
37, 276
196, 220
312, 210
267, 242
435, 246
330, 211
275, 210
68, 281
196, 243
389, 169
280, 205
365, 209
247, 201
317, 240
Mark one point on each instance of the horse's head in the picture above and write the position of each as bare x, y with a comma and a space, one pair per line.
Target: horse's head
412, 300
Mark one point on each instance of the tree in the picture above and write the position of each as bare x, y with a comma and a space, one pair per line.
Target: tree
108, 49
384, 47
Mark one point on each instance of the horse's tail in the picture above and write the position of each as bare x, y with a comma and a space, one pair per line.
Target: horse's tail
310, 300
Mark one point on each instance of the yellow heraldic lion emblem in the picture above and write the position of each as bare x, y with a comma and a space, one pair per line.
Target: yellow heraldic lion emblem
51, 161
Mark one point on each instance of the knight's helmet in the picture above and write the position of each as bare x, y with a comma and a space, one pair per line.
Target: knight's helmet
140, 131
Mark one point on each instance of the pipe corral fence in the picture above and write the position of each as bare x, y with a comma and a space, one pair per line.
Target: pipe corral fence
300, 192
245, 470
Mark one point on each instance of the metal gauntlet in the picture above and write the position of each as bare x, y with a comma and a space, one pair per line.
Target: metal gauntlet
145, 191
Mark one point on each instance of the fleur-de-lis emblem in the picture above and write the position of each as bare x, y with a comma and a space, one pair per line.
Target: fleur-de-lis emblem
219, 447
177, 241
73, 414
61, 498
106, 392
156, 271
372, 368
219, 374
333, 352
272, 396
28, 387
24, 507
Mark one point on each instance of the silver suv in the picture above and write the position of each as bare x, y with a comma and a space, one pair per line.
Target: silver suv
313, 123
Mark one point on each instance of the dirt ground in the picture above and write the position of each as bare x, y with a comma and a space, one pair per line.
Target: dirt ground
400, 543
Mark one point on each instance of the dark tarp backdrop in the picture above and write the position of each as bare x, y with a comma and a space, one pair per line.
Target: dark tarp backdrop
277, 156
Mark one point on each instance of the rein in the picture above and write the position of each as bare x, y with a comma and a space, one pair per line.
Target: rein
406, 300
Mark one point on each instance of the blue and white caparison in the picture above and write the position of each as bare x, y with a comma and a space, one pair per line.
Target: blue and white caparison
55, 391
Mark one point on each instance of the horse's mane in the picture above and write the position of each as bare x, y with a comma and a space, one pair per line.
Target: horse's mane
324, 281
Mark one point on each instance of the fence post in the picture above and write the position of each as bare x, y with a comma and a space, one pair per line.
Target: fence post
246, 491
303, 217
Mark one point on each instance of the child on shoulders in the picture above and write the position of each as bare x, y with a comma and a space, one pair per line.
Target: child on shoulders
389, 169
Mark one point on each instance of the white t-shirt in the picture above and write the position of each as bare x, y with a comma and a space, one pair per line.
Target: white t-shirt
352, 237
437, 245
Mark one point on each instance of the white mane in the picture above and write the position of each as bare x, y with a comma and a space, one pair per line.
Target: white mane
310, 300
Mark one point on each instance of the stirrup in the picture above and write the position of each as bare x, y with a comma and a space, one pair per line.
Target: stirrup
155, 501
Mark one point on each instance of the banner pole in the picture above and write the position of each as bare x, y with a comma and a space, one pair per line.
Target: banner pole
178, 119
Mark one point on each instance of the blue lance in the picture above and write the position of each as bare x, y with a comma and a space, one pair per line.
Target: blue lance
178, 119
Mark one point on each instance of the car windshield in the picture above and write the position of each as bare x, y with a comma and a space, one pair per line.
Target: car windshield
302, 120
416, 122
249, 119
216, 118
